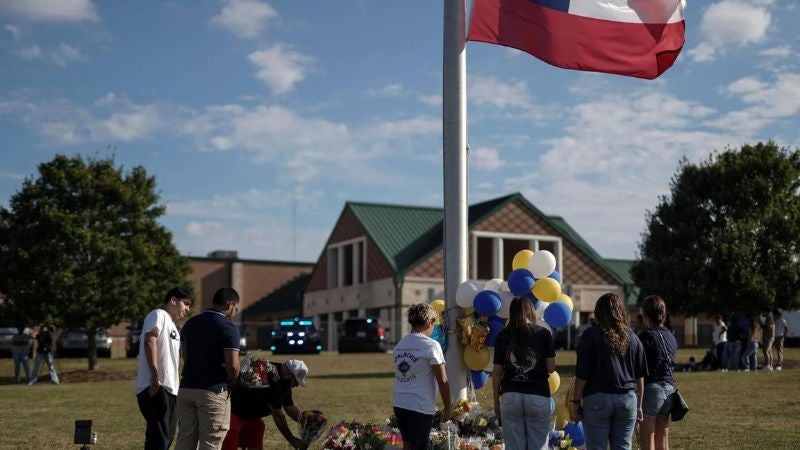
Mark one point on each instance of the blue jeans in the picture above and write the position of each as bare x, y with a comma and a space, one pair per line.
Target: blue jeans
37, 365
21, 359
657, 401
749, 358
526, 420
732, 351
609, 419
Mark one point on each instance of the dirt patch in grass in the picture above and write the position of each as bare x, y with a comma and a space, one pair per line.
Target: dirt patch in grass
83, 376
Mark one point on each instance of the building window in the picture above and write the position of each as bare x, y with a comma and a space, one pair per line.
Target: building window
494, 252
347, 263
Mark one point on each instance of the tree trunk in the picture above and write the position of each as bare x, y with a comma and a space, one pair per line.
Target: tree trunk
92, 347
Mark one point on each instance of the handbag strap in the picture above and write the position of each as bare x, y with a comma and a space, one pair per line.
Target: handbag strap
671, 363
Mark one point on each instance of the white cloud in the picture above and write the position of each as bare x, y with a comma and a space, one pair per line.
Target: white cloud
485, 159
203, 229
5, 174
14, 30
61, 56
245, 18
615, 158
767, 102
489, 90
730, 22
432, 100
280, 67
390, 90
777, 52
395, 129
51, 11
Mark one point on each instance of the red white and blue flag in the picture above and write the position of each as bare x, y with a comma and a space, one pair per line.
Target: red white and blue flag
637, 38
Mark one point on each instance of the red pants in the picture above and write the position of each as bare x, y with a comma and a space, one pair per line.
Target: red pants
244, 433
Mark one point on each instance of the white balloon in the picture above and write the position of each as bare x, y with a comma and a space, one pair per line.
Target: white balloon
542, 264
540, 307
494, 285
505, 304
465, 294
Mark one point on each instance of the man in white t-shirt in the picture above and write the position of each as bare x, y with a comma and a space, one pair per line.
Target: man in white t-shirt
720, 338
418, 370
157, 377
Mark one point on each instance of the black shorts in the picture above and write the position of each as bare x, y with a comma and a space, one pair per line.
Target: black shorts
415, 427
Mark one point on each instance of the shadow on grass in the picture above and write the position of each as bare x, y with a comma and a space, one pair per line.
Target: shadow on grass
348, 376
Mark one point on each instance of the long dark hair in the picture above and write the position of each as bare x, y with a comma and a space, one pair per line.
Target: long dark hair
612, 319
520, 314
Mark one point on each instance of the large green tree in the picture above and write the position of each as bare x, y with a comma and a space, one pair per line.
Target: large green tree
81, 246
727, 238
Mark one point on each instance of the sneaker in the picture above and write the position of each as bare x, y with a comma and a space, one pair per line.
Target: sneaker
766, 367
747, 369
778, 368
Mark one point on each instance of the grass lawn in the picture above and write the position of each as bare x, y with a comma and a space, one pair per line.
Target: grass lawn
728, 410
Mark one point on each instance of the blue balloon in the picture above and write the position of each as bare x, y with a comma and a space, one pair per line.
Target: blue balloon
520, 282
487, 303
479, 378
552, 405
555, 275
439, 336
557, 314
575, 431
496, 325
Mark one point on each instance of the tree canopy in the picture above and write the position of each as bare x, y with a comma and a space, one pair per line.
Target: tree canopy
81, 246
727, 238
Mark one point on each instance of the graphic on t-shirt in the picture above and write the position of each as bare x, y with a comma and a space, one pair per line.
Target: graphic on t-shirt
403, 363
522, 367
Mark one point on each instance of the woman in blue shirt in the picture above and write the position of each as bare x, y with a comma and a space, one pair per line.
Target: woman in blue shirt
609, 377
660, 347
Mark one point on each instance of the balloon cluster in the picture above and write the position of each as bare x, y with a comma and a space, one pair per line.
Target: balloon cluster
486, 310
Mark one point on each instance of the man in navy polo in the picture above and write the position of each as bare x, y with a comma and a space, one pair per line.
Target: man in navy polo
210, 347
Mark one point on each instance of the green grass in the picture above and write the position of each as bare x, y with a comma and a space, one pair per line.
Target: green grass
734, 410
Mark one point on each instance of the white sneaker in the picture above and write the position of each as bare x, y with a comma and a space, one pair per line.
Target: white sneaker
778, 368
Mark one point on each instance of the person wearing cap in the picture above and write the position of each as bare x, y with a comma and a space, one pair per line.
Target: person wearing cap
250, 404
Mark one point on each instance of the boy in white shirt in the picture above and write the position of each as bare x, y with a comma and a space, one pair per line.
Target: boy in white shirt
157, 377
419, 368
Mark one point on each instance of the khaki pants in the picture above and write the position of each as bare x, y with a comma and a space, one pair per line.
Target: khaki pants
203, 419
779, 350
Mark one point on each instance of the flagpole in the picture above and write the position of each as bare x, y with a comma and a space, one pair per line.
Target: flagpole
454, 128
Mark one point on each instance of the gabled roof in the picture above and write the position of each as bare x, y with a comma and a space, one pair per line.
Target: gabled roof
285, 298
406, 235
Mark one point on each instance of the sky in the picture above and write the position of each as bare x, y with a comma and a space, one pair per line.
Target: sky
260, 119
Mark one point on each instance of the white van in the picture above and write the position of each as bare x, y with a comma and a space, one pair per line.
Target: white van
793, 325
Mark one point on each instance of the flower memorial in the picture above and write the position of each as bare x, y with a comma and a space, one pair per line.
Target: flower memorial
255, 371
358, 436
311, 424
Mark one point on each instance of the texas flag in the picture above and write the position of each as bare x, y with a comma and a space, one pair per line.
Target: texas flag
637, 38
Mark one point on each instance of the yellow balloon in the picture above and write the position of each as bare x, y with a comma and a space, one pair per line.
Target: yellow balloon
438, 305
521, 259
476, 360
546, 289
562, 416
554, 380
564, 298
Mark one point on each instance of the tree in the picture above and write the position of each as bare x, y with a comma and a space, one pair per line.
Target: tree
728, 236
81, 246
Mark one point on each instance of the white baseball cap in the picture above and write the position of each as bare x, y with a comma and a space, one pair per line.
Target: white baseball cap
298, 369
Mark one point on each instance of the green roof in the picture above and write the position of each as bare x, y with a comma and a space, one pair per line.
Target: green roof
623, 269
406, 235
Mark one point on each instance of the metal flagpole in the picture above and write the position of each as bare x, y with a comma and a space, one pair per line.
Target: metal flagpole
454, 128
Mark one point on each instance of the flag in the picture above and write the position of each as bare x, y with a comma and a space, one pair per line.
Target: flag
637, 38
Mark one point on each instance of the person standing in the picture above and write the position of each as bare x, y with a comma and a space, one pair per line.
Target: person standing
780, 333
524, 358
21, 345
44, 352
768, 333
720, 338
750, 355
733, 347
419, 367
210, 348
609, 378
157, 373
250, 404
660, 348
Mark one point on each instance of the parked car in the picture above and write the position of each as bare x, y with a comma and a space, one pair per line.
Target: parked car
76, 342
362, 334
296, 336
6, 334
132, 339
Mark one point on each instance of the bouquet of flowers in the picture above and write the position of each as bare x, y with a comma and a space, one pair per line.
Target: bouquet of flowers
255, 370
357, 436
369, 437
461, 409
443, 440
311, 424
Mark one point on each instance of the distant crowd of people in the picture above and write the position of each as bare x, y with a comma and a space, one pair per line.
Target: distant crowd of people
22, 344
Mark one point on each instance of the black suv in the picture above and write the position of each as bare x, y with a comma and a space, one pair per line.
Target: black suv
362, 334
296, 336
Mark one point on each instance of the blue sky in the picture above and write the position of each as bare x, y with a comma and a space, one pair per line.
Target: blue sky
261, 118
